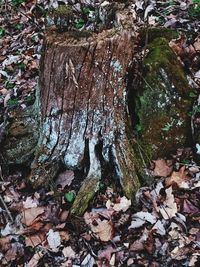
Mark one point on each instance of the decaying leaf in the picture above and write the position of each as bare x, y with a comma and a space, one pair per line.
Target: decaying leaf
163, 168
30, 203
35, 240
65, 178
104, 230
180, 178
123, 205
68, 252
29, 215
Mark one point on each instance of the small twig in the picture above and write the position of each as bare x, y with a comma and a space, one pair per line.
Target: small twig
6, 209
1, 174
90, 248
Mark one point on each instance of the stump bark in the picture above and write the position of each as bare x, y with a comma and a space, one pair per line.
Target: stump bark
84, 115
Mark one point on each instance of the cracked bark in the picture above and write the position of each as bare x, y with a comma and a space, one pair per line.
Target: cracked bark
83, 100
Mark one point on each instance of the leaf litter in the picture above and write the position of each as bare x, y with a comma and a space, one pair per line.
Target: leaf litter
37, 229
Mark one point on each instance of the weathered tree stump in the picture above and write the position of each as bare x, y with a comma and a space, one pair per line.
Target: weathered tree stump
83, 85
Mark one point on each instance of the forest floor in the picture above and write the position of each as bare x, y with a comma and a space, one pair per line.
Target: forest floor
37, 228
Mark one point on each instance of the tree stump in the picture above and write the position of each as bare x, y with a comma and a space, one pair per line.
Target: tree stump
84, 114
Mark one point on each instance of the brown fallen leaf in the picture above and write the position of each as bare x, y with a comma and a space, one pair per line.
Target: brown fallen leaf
68, 252
34, 240
180, 178
16, 251
65, 178
197, 44
64, 235
104, 230
123, 204
138, 245
29, 215
181, 48
163, 168
5, 243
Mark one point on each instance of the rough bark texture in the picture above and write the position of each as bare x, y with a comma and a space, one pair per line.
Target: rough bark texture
21, 135
84, 112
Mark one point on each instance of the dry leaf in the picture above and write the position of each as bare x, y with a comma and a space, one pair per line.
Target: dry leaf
197, 44
163, 168
180, 178
30, 203
138, 245
68, 252
34, 240
15, 251
29, 215
104, 229
88, 261
123, 205
65, 178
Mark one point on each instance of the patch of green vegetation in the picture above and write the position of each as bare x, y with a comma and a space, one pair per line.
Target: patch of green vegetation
196, 109
70, 196
13, 102
79, 23
19, 27
21, 66
2, 32
185, 161
9, 85
30, 99
193, 94
195, 9
17, 3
